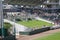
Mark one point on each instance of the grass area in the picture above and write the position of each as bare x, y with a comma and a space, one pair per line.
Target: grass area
55, 36
34, 23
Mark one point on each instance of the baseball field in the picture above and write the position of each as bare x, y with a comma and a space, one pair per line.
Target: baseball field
55, 36
34, 23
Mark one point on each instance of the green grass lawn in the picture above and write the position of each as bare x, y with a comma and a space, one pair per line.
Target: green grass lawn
34, 23
55, 36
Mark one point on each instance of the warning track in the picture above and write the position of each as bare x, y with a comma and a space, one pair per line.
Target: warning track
21, 37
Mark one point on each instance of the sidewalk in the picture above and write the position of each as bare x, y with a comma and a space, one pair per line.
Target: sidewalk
38, 18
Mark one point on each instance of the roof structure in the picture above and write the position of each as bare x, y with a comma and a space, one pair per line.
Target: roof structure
24, 2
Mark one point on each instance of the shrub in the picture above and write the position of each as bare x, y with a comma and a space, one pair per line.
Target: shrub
7, 25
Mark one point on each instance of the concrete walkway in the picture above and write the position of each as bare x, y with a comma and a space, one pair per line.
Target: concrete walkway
38, 18
18, 27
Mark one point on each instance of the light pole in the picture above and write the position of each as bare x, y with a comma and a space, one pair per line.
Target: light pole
1, 17
14, 27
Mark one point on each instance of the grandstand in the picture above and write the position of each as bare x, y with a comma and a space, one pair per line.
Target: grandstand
47, 9
51, 9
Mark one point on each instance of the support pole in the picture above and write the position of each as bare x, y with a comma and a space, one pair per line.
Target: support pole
59, 2
1, 17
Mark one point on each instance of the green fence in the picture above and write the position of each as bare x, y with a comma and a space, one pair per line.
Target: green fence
24, 33
5, 32
35, 31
